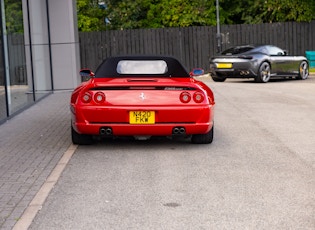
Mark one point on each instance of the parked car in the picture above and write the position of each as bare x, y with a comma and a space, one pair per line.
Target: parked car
261, 62
142, 96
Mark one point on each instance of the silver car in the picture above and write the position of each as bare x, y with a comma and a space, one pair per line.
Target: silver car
260, 62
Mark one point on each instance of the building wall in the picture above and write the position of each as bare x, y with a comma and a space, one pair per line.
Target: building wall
41, 57
64, 43
54, 40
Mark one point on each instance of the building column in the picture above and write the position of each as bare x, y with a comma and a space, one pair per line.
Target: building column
64, 39
52, 34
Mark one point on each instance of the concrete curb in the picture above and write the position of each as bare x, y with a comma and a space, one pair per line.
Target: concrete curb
36, 204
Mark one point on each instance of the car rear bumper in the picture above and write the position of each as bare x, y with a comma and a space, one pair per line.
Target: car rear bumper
239, 70
237, 73
132, 130
194, 120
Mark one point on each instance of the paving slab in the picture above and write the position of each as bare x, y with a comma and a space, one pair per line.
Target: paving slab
31, 144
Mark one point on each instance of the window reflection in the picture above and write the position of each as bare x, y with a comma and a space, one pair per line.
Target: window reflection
19, 94
3, 109
25, 67
18, 87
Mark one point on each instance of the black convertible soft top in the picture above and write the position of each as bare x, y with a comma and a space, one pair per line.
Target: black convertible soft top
109, 68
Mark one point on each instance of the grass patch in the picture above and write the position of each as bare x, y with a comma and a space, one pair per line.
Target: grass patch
312, 70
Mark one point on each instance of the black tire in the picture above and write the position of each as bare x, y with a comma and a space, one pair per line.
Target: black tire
218, 79
303, 71
203, 138
264, 71
80, 139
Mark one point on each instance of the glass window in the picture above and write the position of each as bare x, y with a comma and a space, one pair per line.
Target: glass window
25, 70
19, 93
237, 50
275, 51
3, 106
142, 67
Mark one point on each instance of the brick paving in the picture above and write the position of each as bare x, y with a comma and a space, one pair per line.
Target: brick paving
31, 144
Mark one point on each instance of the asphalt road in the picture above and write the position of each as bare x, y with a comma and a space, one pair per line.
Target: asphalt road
257, 174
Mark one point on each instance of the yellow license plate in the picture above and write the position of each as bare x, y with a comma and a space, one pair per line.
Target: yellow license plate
224, 65
141, 117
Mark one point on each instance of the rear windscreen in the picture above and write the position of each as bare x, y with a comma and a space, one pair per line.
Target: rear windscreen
237, 50
141, 67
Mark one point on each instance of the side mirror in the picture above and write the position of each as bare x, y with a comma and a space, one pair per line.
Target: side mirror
86, 74
197, 72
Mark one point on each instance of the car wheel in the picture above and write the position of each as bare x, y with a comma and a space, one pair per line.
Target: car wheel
203, 138
218, 79
80, 139
263, 75
303, 71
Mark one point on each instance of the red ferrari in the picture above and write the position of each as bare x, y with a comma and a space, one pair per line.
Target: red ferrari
142, 96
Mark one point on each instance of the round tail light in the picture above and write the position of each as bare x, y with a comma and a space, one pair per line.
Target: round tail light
86, 97
185, 97
99, 97
199, 97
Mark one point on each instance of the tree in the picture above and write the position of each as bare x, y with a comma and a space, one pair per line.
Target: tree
127, 14
181, 13
268, 11
133, 14
286, 10
91, 16
13, 16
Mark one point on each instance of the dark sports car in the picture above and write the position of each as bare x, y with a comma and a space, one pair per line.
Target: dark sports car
260, 62
142, 96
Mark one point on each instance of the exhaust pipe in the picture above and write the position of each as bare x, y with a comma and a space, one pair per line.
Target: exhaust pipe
106, 131
175, 131
244, 72
182, 130
179, 131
